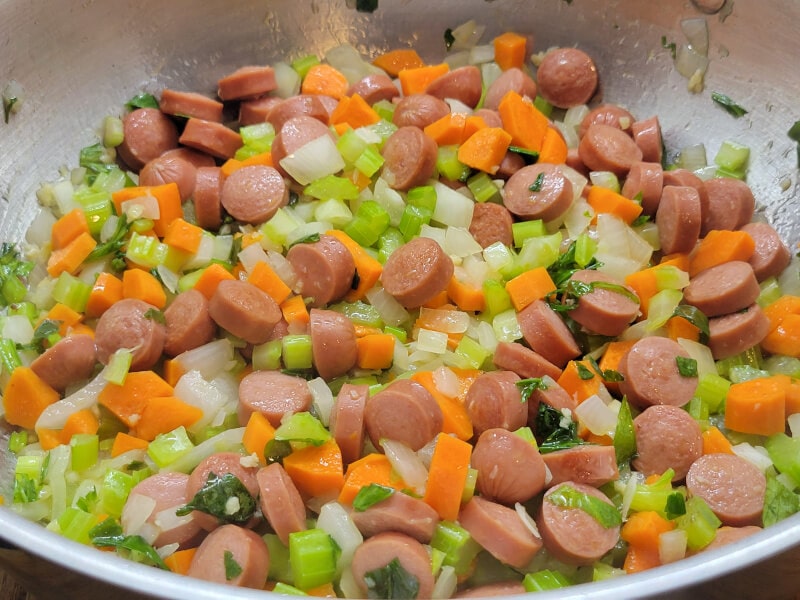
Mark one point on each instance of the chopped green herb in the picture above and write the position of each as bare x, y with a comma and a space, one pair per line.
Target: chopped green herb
604, 513
309, 239
557, 430
583, 372
606, 375
275, 451
566, 265
232, 568
640, 220
371, 494
779, 502
88, 502
536, 186
114, 243
624, 434
725, 102
95, 159
367, 6
25, 489
8, 106
696, 317
391, 581
449, 38
225, 498
572, 290
676, 505
529, 156
687, 367
46, 331
108, 534
155, 315
142, 101
671, 46
530, 385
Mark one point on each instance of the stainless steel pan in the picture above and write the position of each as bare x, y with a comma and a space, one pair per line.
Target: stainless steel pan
80, 60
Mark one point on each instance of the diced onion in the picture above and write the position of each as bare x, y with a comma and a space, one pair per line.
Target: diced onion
629, 491
672, 546
169, 277
692, 157
481, 54
431, 341
794, 424
167, 550
138, 509
209, 359
457, 107
143, 207
696, 32
167, 520
690, 63
757, 455
203, 255
490, 72
596, 416
389, 199
194, 390
348, 61
435, 233
619, 248
459, 242
286, 79
466, 35
251, 256
314, 160
391, 311
789, 280
282, 267
56, 415
702, 354
526, 519
227, 441
337, 523
407, 464
322, 398
446, 321
39, 231
426, 452
18, 328
446, 382
445, 584
452, 208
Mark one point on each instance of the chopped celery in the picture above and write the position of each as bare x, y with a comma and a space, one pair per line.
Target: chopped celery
423, 196
740, 373
712, 390
398, 332
785, 365
333, 211
469, 485
112, 131
457, 544
384, 128
770, 292
75, 524
389, 241
602, 571
750, 357
85, 450
785, 454
605, 179
385, 110
522, 230
449, 166
543, 106
506, 326
482, 187
267, 356
540, 251
472, 351
13, 289
500, 258
279, 569
312, 556
96, 206
17, 440
284, 589
698, 409
662, 307
296, 351
670, 277
145, 250
369, 161
71, 291
114, 491
699, 523
302, 427
280, 226
351, 145
188, 281
258, 136
412, 220
585, 247
9, 357
545, 580
118, 366
303, 64
370, 221
624, 433
25, 309
497, 298
332, 186
732, 156
731, 174
360, 313
653, 496
169, 447
526, 434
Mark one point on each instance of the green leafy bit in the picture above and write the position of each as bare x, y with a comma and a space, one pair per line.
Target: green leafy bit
25, 489
371, 494
536, 186
529, 156
530, 385
696, 317
583, 372
95, 159
309, 239
391, 581
687, 367
303, 427
565, 266
729, 105
676, 505
640, 220
8, 106
275, 451
13, 271
449, 38
604, 513
779, 501
47, 331
225, 498
671, 46
558, 430
142, 101
232, 568
155, 315
624, 433
108, 534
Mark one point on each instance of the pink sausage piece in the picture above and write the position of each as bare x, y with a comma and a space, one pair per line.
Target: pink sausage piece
539, 191
645, 180
416, 272
734, 333
197, 159
667, 437
732, 487
607, 114
590, 465
502, 589
169, 169
401, 513
604, 310
389, 412
280, 501
304, 105
723, 289
729, 535
493, 400
491, 223
347, 420
333, 343
127, 325
324, 269
547, 334
70, 360
254, 194
247, 82
574, 162
680, 177
188, 322
511, 356
419, 110
730, 204
244, 547
514, 79
147, 134
606, 148
207, 197
572, 535
253, 112
244, 310
647, 135
190, 104
510, 469
490, 116
295, 133
650, 369
500, 531
567, 77
374, 88
511, 163
771, 255
378, 551
212, 138
463, 84
409, 158
678, 218
273, 394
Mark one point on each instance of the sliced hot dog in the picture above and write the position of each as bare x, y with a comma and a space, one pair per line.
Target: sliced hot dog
678, 218
463, 84
252, 112
378, 551
667, 437
190, 104
130, 324
295, 133
729, 535
734, 333
374, 88
303, 105
510, 469
244, 310
553, 396
494, 400
651, 373
401, 513
684, 177
273, 394
491, 223
324, 269
347, 420
511, 163
591, 465
645, 179
198, 159
546, 333
606, 148
147, 134
416, 272
280, 501
605, 310
607, 114
539, 191
247, 82
333, 343
730, 204
419, 110
771, 255
410, 158
247, 549
389, 413
723, 289
567, 77
514, 79
207, 197
168, 169
70, 360
254, 194
511, 356
647, 135
210, 137
188, 323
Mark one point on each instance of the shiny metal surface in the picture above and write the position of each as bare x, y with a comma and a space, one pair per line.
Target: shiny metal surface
80, 60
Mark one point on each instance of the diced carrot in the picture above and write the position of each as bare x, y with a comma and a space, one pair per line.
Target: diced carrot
448, 130
554, 148
25, 397
758, 405
127, 401
325, 80
325, 590
793, 398
605, 200
49, 438
611, 358
447, 476
417, 80
317, 471
341, 128
212, 275
368, 269
485, 149
183, 235
172, 371
231, 165
678, 327
466, 377
257, 434
71, 256
169, 202
456, 418
141, 285
354, 111
375, 351
577, 387
467, 297
531, 285
372, 468
264, 278
721, 246
643, 528
526, 124
438, 301
162, 414
472, 124
715, 442
68, 317
179, 561
640, 559
362, 330
295, 311
67, 228
677, 259
398, 60
784, 331
107, 290
510, 50
82, 421
593, 438
124, 442
81, 329
645, 284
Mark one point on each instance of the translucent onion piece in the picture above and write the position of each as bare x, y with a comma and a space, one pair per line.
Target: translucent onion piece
56, 415
407, 464
337, 523
672, 546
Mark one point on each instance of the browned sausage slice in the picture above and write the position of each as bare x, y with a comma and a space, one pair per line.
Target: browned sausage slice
128, 324
273, 394
546, 333
463, 84
607, 114
771, 255
514, 79
416, 272
147, 134
590, 465
168, 169
324, 269
510, 469
502, 589
212, 138
491, 223
244, 310
206, 197
678, 218
280, 501
646, 179
511, 356
378, 551
730, 204
188, 323
347, 420
401, 513
494, 400
410, 158
539, 191
240, 545
295, 133
198, 159
647, 135
389, 413
728, 535
303, 105
731, 486
667, 437
651, 373
723, 289
252, 112
572, 535
254, 194
419, 110
500, 531
246, 82
684, 177
333, 343
606, 148
70, 360
732, 334
374, 88
603, 310
190, 104
567, 77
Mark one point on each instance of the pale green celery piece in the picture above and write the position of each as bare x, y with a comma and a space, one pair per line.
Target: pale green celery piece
333, 211
169, 447
71, 291
475, 354
524, 230
506, 326
112, 131
267, 356
497, 298
369, 161
296, 351
85, 451
312, 556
